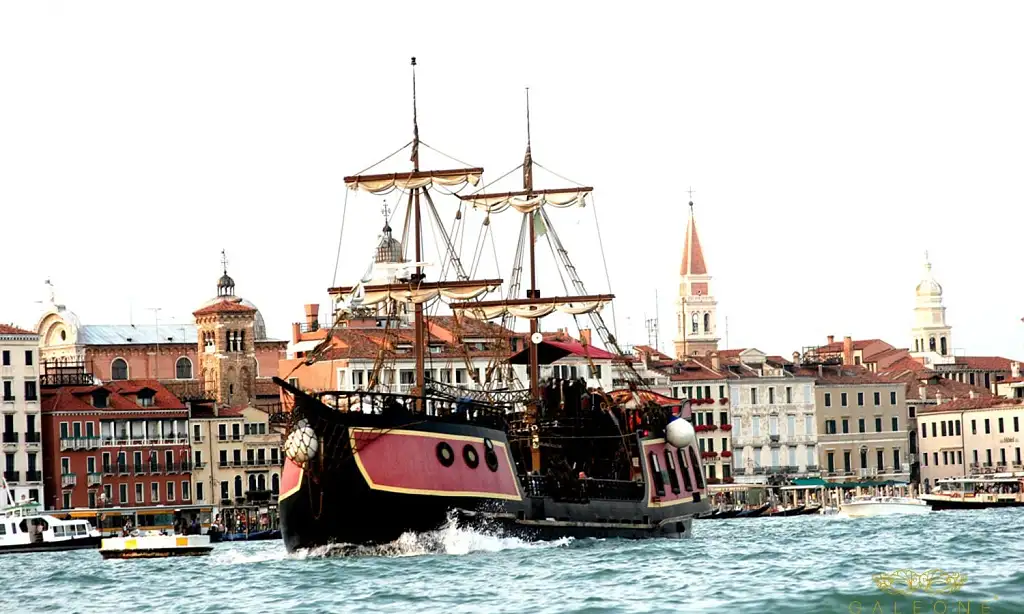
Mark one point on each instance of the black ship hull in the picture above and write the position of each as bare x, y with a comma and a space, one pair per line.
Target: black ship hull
377, 476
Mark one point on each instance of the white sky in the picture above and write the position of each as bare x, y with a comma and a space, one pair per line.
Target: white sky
829, 146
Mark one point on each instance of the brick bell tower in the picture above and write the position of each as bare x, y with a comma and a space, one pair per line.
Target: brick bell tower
227, 352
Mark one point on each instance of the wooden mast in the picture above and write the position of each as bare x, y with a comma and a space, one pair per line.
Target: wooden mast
532, 294
420, 343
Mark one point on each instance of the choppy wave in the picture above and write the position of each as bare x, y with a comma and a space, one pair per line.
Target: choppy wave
801, 565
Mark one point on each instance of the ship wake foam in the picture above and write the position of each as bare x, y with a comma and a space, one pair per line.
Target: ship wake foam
451, 539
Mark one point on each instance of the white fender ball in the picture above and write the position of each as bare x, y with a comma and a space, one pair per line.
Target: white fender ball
302, 443
680, 433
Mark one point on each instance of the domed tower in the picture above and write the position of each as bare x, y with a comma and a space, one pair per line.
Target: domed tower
931, 334
228, 327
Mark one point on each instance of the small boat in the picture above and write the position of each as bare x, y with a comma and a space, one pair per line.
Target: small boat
23, 528
863, 507
977, 492
754, 513
791, 511
810, 509
151, 546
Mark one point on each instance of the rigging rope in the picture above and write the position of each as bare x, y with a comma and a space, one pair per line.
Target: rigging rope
386, 158
337, 258
604, 261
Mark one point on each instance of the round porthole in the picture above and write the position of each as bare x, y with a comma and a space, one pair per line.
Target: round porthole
470, 456
488, 444
445, 454
491, 459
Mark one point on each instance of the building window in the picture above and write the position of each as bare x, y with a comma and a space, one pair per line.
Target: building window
1016, 424
224, 494
842, 399
1000, 425
238, 486
831, 461
924, 460
183, 368
988, 427
878, 399
988, 458
154, 492
974, 427
28, 358
896, 465
892, 398
830, 427
753, 396
139, 495
8, 391
959, 457
185, 494
860, 426
1002, 456
924, 430
694, 321
199, 491
828, 399
30, 391
846, 425
878, 425
771, 395
860, 398
846, 461
943, 424
119, 369
6, 358
122, 491
170, 491
945, 457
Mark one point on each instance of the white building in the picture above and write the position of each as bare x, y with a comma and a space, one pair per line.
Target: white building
932, 336
696, 318
774, 428
21, 438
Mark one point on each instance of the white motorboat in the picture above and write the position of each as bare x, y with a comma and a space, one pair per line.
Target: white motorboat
863, 507
24, 528
154, 545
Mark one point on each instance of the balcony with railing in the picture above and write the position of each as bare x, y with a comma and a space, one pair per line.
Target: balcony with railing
79, 443
31, 438
94, 479
68, 480
12, 476
126, 442
9, 437
34, 476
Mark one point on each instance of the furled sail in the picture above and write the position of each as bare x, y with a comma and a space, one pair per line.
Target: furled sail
382, 184
527, 201
533, 308
415, 293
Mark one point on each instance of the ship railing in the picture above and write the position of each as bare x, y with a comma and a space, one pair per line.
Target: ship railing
583, 489
468, 403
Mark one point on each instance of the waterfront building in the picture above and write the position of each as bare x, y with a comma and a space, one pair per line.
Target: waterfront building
1013, 386
123, 443
862, 423
696, 308
20, 422
970, 436
169, 353
774, 430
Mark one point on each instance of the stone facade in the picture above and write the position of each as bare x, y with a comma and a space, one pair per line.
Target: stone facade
20, 420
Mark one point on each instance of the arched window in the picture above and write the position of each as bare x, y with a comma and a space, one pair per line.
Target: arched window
261, 482
696, 320
707, 322
275, 484
252, 481
942, 345
931, 344
183, 368
119, 369
238, 486
917, 345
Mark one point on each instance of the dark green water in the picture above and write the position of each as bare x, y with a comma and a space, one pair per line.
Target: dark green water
803, 564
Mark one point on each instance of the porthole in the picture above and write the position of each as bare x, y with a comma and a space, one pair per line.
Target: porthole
470, 456
445, 454
491, 459
488, 444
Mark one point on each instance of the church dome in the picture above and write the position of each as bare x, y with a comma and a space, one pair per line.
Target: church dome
389, 249
928, 285
225, 285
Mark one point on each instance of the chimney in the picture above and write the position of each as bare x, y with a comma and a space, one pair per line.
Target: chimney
312, 317
1015, 369
716, 364
847, 350
296, 332
938, 398
922, 392
585, 336
972, 394
831, 339
821, 371
796, 358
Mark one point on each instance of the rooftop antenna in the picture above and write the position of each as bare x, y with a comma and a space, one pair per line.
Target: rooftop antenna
652, 326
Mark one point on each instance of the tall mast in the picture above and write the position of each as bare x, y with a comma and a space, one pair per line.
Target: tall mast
532, 292
420, 343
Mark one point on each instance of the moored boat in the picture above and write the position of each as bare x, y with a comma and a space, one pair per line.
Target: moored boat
24, 528
977, 492
364, 466
862, 507
754, 512
154, 545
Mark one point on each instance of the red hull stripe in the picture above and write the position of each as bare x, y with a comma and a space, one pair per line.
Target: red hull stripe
658, 446
405, 461
291, 479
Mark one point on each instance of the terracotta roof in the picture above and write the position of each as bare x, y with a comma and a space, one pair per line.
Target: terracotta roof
468, 327
914, 375
121, 397
687, 370
892, 354
693, 255
228, 305
985, 363
1011, 380
652, 352
846, 374
8, 329
967, 404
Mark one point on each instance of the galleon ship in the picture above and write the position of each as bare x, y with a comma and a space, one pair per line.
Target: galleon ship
365, 466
